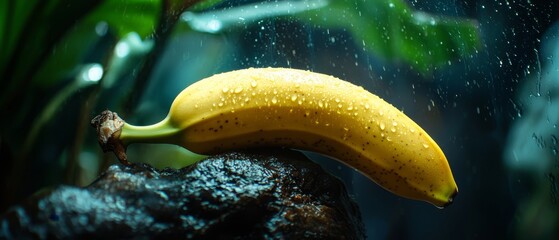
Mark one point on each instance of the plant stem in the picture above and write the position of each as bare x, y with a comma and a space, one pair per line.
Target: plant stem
161, 132
72, 170
167, 20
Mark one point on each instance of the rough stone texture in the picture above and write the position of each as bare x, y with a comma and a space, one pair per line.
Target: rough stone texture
271, 195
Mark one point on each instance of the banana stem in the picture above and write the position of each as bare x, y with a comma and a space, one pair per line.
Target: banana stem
161, 132
114, 135
109, 126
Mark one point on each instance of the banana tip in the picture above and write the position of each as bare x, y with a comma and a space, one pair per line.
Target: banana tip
450, 199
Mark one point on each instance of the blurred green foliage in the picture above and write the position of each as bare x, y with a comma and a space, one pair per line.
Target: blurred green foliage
123, 17
392, 30
46, 47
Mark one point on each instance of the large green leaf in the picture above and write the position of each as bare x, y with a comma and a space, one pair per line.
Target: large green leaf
125, 16
391, 29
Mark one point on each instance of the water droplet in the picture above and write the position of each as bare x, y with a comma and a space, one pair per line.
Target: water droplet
393, 129
412, 130
367, 106
274, 100
425, 145
253, 83
381, 113
294, 97
350, 108
337, 100
320, 104
238, 89
247, 99
381, 125
225, 89
394, 124
195, 105
340, 105
220, 104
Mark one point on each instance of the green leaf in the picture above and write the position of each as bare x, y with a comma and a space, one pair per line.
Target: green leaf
32, 30
122, 17
125, 16
65, 56
205, 4
392, 30
13, 15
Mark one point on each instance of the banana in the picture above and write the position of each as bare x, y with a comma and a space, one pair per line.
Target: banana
264, 107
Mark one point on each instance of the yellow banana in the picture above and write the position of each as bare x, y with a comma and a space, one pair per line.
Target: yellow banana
309, 111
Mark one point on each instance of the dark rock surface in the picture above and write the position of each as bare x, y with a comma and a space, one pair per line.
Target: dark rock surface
258, 195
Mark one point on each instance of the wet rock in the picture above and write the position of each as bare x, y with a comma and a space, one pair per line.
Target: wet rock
257, 195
